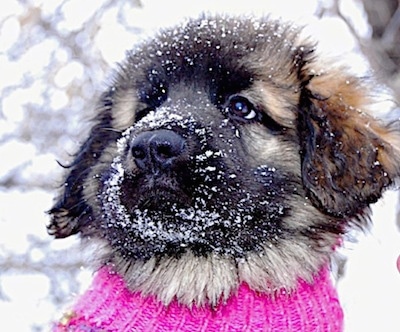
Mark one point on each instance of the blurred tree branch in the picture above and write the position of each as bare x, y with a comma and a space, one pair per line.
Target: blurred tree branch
58, 265
382, 47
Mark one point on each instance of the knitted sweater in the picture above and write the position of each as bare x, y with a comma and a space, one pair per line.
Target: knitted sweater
108, 305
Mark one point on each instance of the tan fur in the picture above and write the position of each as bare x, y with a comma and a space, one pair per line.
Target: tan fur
124, 111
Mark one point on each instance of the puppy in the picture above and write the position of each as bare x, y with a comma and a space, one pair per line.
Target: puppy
224, 152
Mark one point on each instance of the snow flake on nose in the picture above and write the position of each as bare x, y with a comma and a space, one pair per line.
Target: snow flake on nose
160, 119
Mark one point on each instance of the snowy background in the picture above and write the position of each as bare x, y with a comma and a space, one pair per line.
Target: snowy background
54, 61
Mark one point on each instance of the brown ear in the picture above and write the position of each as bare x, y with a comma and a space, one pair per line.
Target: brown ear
348, 157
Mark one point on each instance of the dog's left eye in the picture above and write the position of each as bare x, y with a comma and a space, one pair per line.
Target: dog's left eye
240, 107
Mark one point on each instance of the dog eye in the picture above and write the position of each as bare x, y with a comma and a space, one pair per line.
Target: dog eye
240, 107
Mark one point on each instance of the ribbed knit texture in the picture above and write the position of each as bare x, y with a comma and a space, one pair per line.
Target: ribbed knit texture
109, 306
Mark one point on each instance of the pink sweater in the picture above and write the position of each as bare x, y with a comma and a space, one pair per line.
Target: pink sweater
109, 306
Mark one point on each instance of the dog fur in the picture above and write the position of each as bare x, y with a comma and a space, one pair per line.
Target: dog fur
275, 155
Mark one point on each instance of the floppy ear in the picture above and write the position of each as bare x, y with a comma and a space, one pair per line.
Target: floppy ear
348, 156
71, 211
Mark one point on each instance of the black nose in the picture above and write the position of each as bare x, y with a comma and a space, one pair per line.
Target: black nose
157, 150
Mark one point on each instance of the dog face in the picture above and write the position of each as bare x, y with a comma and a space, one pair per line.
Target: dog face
222, 153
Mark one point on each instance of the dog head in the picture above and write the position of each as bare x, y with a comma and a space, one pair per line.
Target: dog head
222, 153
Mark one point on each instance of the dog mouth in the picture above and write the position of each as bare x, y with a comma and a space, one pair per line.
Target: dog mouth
172, 199
164, 219
161, 194
154, 215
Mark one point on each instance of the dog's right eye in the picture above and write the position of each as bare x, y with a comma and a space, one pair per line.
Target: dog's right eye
241, 108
